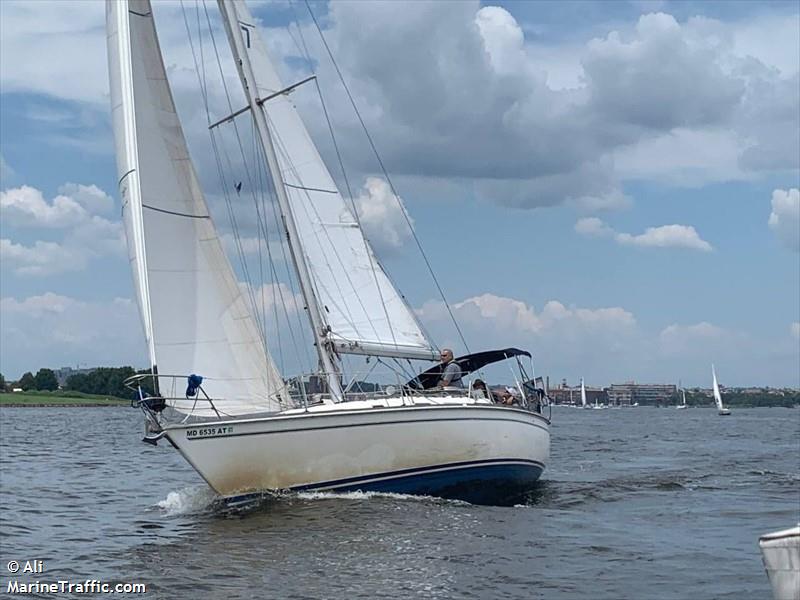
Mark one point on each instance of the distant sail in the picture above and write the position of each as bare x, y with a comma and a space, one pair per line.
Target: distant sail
583, 393
363, 311
195, 317
717, 395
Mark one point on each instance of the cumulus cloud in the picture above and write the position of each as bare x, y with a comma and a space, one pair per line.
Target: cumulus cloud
564, 340
26, 206
594, 227
86, 235
630, 82
494, 319
518, 139
63, 30
383, 215
666, 236
41, 258
784, 219
794, 330
90, 197
68, 331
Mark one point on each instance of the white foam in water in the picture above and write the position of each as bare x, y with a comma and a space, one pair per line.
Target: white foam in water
187, 500
358, 495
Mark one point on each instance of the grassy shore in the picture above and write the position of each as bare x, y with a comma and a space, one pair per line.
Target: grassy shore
59, 398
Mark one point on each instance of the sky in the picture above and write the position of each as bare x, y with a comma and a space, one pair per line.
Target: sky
610, 185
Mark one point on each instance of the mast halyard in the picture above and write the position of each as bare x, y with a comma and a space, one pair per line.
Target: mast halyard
233, 29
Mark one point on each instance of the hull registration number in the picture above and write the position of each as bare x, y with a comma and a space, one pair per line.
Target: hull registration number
208, 432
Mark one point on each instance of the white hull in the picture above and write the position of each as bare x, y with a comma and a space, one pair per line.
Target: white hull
723, 412
470, 452
781, 554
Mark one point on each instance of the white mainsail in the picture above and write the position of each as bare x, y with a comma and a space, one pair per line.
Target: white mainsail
362, 311
717, 395
195, 316
583, 393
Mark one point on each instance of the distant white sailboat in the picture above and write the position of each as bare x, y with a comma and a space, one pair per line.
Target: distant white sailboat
243, 426
595, 406
683, 400
721, 410
583, 396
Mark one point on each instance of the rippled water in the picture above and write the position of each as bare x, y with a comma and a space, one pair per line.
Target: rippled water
640, 503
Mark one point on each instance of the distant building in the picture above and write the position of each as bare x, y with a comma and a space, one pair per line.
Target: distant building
620, 394
564, 394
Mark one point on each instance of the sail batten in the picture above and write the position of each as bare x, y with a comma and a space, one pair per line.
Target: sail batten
360, 307
195, 315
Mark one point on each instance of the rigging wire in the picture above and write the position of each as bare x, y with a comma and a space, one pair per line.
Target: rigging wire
370, 256
386, 174
261, 224
237, 237
287, 158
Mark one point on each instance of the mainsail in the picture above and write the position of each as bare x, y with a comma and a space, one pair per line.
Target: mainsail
717, 394
362, 311
583, 393
195, 316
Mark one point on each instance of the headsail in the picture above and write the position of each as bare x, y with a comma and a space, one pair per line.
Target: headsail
362, 310
717, 394
195, 316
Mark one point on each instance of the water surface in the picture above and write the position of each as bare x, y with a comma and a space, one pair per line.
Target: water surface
635, 503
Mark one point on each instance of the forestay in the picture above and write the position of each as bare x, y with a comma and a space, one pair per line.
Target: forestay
196, 319
363, 311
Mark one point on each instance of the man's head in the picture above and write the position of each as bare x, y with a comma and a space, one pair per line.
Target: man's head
447, 355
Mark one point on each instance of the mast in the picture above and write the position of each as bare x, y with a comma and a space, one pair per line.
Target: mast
233, 29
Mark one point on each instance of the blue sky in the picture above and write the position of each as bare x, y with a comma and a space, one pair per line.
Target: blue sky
611, 185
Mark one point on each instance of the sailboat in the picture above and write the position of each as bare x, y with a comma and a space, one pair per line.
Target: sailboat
683, 400
595, 406
721, 410
245, 427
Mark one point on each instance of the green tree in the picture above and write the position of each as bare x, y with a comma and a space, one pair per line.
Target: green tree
107, 381
26, 382
2, 383
46, 380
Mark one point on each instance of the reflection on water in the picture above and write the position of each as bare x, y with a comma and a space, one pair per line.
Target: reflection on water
635, 504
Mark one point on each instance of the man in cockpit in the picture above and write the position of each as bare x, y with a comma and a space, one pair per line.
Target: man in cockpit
451, 372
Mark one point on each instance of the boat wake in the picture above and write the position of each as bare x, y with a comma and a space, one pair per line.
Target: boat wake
363, 496
189, 500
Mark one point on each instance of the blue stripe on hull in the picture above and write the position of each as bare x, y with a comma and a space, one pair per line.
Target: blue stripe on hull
482, 482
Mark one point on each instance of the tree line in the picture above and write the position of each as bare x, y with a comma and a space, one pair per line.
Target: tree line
788, 399
103, 381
